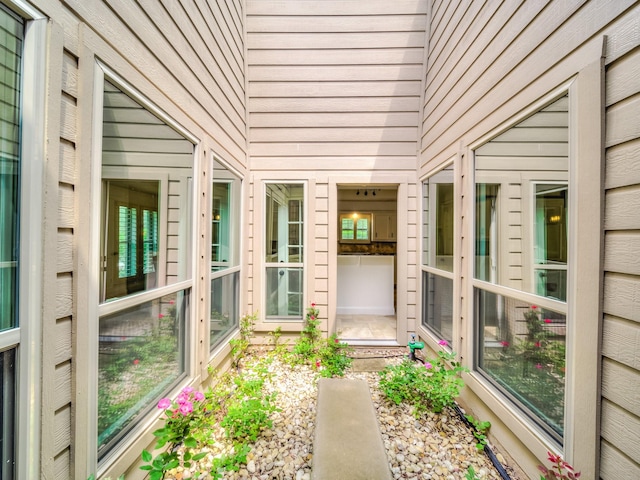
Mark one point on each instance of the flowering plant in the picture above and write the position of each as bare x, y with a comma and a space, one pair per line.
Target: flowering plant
560, 470
182, 415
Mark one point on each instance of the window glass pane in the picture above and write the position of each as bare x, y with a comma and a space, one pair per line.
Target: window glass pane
131, 237
355, 227
437, 221
141, 356
522, 204
220, 226
437, 305
145, 230
284, 223
225, 301
521, 348
10, 68
284, 292
7, 413
550, 242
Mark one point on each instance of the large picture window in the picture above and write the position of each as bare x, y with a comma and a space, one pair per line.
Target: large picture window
437, 254
145, 263
521, 251
284, 250
225, 259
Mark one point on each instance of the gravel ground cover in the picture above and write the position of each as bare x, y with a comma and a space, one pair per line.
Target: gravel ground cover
436, 446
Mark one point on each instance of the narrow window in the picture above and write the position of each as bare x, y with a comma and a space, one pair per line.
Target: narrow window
284, 250
437, 255
521, 268
225, 248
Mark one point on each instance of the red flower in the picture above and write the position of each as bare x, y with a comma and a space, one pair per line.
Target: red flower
313, 304
136, 361
533, 307
160, 315
504, 343
547, 320
336, 340
538, 366
537, 344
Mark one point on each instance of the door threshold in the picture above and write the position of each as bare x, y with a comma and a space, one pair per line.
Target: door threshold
370, 343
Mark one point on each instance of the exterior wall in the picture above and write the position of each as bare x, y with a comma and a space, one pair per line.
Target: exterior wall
620, 427
487, 62
334, 94
188, 59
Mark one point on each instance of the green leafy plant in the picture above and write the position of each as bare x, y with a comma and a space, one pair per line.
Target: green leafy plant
230, 462
328, 356
433, 385
481, 429
187, 413
471, 474
239, 346
333, 358
560, 470
249, 410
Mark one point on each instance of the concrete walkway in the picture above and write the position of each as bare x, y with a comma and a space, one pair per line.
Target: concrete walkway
347, 443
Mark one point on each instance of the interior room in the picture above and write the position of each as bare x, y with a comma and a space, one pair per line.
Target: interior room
366, 289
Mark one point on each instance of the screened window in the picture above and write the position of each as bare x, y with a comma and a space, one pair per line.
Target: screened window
146, 249
225, 248
521, 252
284, 250
11, 41
437, 254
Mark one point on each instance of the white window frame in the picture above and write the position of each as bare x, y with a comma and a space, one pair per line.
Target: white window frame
426, 264
96, 309
26, 338
285, 265
584, 290
236, 181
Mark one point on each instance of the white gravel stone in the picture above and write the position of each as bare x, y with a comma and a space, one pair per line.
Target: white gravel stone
431, 447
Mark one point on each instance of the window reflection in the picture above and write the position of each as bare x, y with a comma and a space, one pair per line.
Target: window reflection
521, 242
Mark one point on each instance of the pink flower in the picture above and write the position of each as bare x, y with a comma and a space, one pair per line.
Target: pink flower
312, 317
160, 315
187, 390
504, 343
186, 408
547, 320
164, 403
427, 365
317, 363
538, 366
336, 340
537, 344
444, 343
136, 361
198, 396
171, 302
533, 307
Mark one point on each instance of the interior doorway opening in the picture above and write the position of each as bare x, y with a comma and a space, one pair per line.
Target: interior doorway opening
366, 264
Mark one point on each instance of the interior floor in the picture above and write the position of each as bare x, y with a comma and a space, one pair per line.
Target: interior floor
366, 327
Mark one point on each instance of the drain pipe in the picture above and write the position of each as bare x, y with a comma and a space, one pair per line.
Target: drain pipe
487, 449
415, 345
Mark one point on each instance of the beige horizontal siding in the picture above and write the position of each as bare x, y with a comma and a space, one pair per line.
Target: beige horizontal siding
620, 454
335, 81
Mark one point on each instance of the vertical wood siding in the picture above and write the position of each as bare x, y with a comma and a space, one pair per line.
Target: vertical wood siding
621, 328
334, 84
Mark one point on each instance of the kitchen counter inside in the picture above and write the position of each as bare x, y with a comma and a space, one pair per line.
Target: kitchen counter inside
365, 285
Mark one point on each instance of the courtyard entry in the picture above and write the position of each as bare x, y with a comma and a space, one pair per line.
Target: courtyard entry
366, 264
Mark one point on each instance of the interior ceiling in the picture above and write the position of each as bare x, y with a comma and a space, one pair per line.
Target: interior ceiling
367, 192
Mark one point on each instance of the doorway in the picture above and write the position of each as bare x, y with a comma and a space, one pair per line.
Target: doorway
367, 264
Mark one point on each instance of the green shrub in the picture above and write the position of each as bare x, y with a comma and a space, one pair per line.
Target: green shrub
430, 386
